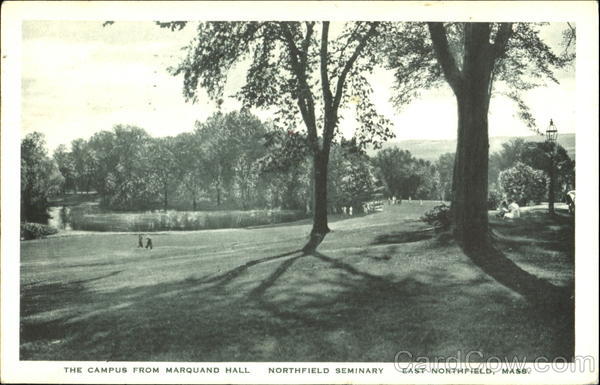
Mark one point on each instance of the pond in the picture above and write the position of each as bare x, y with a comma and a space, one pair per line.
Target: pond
60, 217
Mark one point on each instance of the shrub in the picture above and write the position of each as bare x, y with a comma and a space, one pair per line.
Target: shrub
31, 230
494, 199
522, 184
438, 216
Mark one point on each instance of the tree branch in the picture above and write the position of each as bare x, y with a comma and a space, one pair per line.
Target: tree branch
504, 34
444, 56
327, 96
305, 102
350, 63
306, 42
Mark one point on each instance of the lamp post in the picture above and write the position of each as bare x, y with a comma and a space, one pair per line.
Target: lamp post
551, 136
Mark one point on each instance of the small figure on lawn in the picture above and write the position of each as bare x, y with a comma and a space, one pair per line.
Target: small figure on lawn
570, 199
503, 209
149, 243
513, 211
140, 241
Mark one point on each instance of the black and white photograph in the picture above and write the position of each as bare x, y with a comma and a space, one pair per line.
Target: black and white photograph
320, 193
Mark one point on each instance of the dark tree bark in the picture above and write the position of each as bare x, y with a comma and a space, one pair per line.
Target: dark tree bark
320, 224
472, 87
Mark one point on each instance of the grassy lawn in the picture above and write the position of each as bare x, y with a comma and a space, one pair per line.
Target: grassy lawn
377, 286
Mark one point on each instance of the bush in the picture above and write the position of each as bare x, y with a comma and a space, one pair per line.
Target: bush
522, 184
494, 199
438, 216
35, 231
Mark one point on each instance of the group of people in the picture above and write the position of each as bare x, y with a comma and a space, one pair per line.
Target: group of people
392, 200
141, 242
509, 211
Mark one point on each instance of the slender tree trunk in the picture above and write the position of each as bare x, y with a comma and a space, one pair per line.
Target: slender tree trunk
320, 225
166, 200
552, 182
194, 202
218, 195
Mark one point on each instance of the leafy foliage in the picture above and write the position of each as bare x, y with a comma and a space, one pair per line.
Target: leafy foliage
31, 231
406, 176
445, 168
546, 156
40, 178
306, 78
439, 216
522, 184
523, 63
351, 178
538, 155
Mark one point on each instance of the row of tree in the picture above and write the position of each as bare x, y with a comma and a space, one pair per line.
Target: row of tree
236, 161
519, 171
309, 77
229, 161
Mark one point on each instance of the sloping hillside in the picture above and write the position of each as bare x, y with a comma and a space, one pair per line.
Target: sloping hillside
432, 149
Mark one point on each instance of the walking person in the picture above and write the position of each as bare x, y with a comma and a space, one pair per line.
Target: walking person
140, 241
149, 243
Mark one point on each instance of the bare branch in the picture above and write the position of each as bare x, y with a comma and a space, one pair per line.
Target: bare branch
444, 56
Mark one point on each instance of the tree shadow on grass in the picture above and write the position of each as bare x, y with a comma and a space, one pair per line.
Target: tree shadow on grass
228, 276
529, 231
287, 310
343, 314
404, 237
367, 309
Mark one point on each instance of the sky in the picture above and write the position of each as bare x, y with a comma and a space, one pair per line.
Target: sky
79, 78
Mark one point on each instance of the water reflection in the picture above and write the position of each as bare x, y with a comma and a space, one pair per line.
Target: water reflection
60, 217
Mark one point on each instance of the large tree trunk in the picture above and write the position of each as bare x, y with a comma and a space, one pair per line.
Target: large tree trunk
470, 185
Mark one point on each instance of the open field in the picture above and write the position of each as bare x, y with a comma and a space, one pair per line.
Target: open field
379, 284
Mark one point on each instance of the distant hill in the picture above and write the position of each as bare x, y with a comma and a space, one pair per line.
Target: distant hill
432, 149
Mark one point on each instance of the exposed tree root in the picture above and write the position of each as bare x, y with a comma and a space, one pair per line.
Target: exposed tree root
314, 241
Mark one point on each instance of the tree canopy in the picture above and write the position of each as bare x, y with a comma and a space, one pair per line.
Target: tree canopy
300, 71
425, 56
40, 178
477, 60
